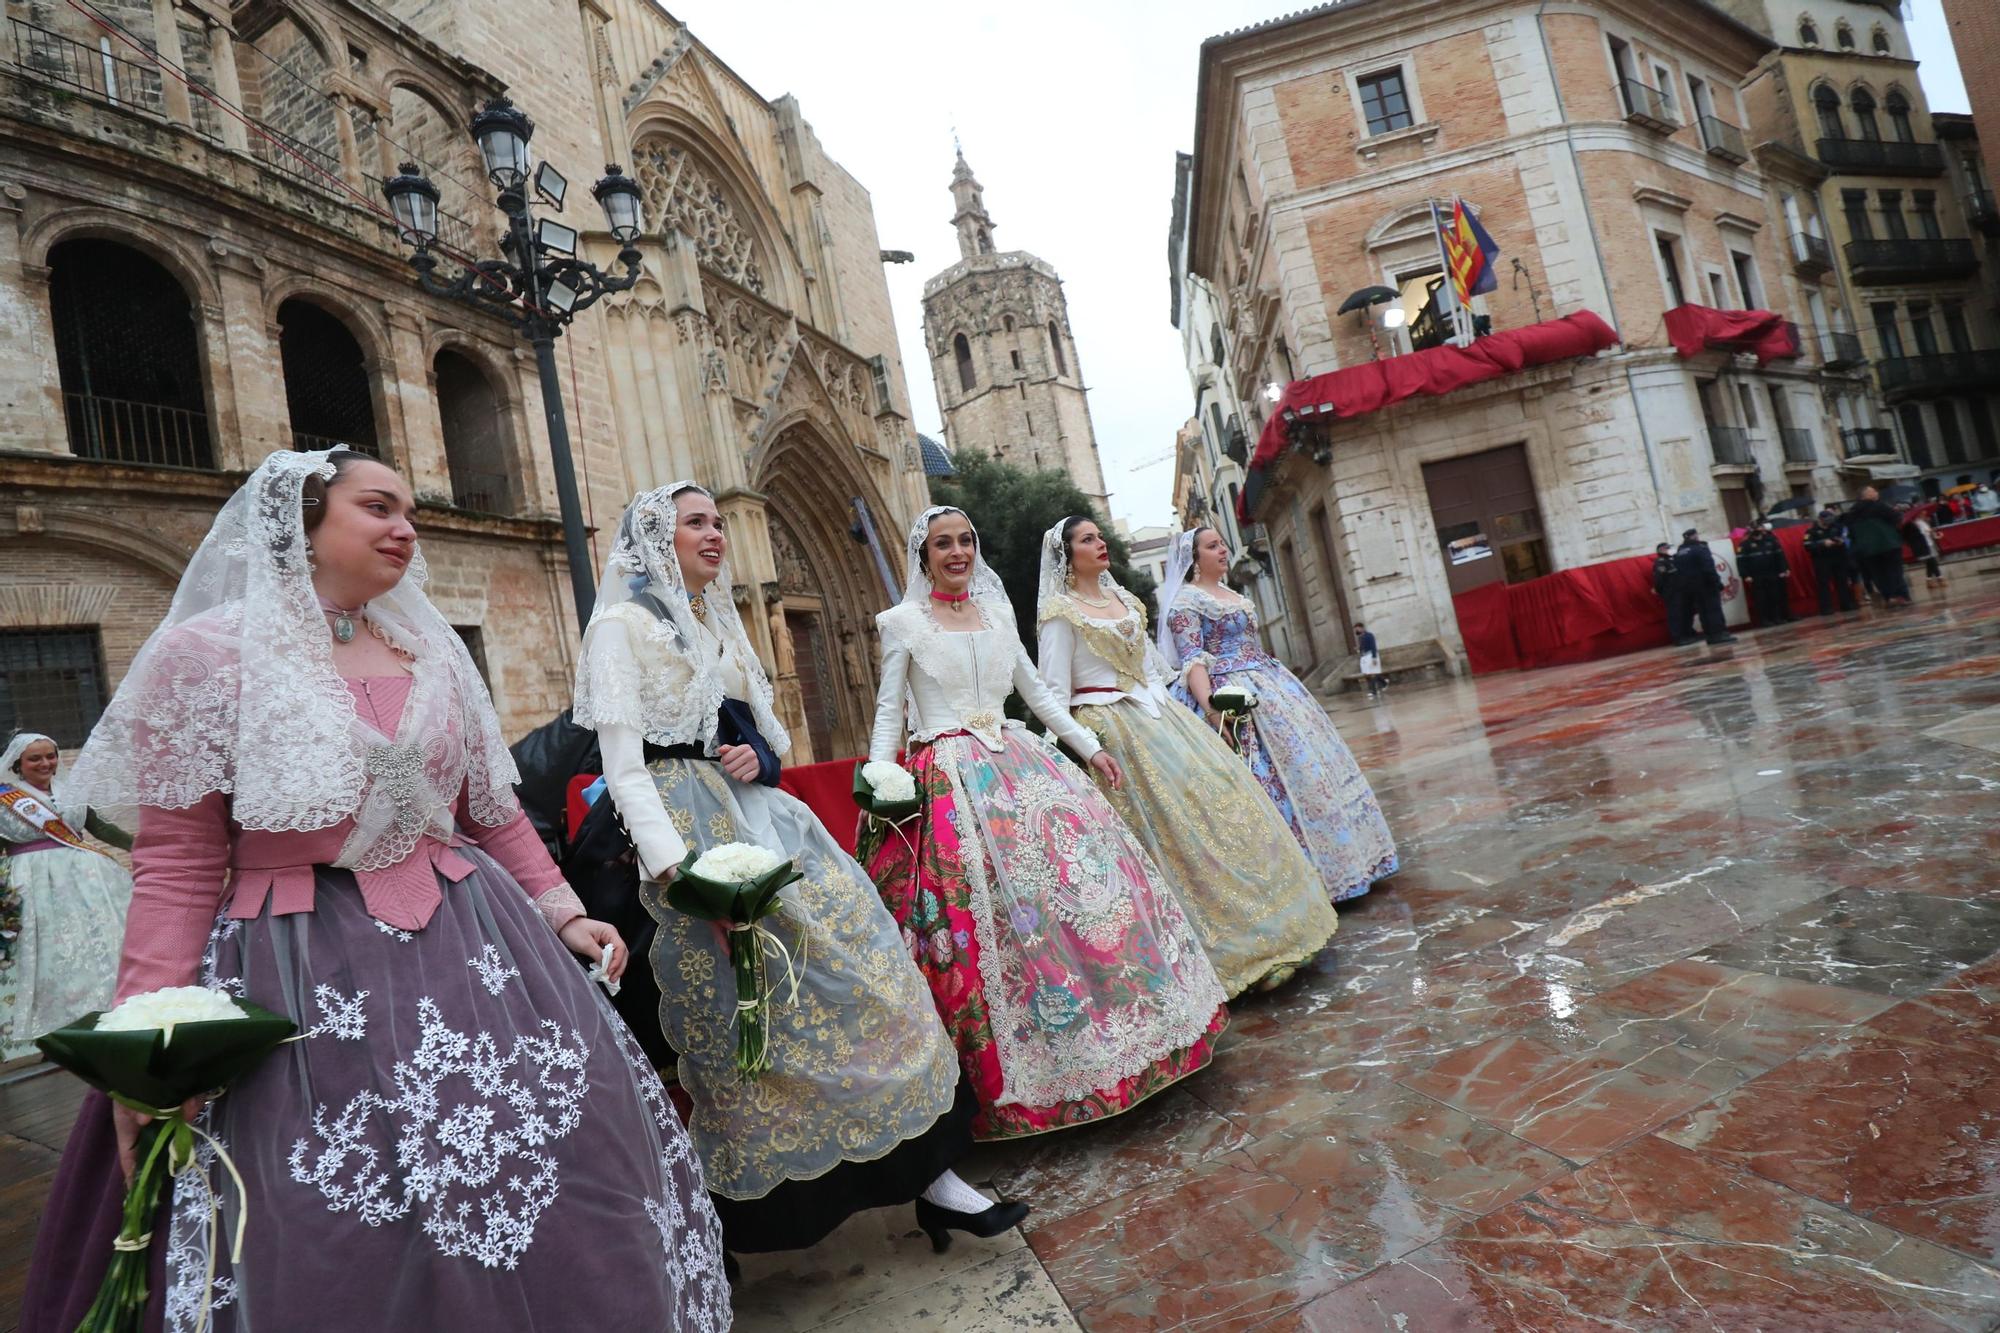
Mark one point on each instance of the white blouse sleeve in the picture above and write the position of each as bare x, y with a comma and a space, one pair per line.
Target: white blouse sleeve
889, 697
627, 783
1055, 657
1050, 709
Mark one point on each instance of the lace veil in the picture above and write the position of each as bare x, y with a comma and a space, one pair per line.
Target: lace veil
1054, 582
237, 692
1180, 566
644, 591
59, 797
988, 593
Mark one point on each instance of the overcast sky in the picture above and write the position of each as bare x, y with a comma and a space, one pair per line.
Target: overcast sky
1070, 116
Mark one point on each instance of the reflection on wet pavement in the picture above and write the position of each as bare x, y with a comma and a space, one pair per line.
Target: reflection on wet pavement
1685, 1013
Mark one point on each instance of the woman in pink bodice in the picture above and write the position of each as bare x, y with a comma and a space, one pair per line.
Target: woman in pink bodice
464, 1135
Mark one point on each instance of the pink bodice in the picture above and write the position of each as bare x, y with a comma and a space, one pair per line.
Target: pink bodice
187, 863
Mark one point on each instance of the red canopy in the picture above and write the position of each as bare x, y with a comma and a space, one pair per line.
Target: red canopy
1695, 328
1373, 385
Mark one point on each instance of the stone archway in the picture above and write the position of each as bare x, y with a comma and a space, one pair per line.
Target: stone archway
828, 592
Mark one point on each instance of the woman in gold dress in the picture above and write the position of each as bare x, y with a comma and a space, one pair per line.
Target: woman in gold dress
1255, 900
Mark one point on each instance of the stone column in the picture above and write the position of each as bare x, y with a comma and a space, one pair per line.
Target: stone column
350, 150
228, 85
167, 41
246, 377
410, 404
31, 402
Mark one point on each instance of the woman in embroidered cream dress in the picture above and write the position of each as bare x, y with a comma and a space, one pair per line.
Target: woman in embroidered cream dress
1208, 634
862, 1106
71, 898
1064, 967
465, 1136
1255, 899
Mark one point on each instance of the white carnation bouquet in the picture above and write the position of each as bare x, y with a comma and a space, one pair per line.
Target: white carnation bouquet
1232, 700
886, 791
736, 885
154, 1053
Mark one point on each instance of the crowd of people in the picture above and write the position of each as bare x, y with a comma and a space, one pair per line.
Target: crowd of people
327, 825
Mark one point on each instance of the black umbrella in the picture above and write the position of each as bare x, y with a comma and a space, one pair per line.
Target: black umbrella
1366, 297
1802, 503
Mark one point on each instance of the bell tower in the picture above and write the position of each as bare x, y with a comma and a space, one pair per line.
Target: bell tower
1008, 379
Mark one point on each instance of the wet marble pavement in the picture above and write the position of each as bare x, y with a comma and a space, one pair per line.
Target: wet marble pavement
1685, 1013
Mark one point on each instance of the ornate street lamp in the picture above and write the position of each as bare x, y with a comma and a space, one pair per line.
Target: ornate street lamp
538, 288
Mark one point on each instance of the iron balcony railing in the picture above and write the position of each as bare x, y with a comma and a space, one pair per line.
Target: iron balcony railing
1730, 445
1981, 213
1810, 253
1890, 157
1723, 140
1647, 106
1868, 442
1912, 259
114, 430
1840, 349
92, 70
1937, 373
1799, 446
483, 493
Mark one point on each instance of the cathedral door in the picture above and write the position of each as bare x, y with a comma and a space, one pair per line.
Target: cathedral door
809, 653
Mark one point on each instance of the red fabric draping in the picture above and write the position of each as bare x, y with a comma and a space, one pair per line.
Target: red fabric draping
1969, 536
827, 788
1696, 328
1370, 387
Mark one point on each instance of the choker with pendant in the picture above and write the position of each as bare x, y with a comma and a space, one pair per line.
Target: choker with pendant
343, 619
952, 598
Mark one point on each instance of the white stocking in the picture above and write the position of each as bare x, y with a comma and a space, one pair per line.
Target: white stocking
948, 1191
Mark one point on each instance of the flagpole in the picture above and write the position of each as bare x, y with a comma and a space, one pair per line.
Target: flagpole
1461, 319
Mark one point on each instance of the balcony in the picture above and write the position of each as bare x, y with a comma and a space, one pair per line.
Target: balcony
1981, 214
1799, 444
86, 70
112, 430
1723, 140
1730, 445
1913, 260
1237, 450
1868, 442
483, 493
1882, 157
1905, 377
1840, 350
1647, 106
1811, 255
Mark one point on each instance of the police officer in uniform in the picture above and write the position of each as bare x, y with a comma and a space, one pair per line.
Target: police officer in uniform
1667, 587
1702, 586
1762, 560
1832, 572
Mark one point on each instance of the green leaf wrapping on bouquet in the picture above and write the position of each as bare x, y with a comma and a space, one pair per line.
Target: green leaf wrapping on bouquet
148, 1069
895, 812
741, 906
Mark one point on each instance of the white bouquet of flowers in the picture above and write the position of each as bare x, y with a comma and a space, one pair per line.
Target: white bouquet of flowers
1232, 700
736, 885
886, 791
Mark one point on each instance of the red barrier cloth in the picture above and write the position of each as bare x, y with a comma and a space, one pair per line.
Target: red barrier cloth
1373, 385
827, 788
1968, 536
1573, 615
1693, 329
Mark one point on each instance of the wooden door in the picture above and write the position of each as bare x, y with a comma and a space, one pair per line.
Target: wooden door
810, 661
1489, 523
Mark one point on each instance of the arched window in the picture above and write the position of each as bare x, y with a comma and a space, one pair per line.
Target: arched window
1863, 105
985, 241
326, 380
1056, 350
1879, 40
1826, 102
1215, 342
1898, 107
474, 420
1843, 35
961, 350
1007, 323
1808, 33
127, 357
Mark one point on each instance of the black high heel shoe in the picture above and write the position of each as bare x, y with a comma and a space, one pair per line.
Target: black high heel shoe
938, 1222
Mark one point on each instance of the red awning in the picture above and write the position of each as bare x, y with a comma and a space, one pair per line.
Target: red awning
1693, 329
1358, 390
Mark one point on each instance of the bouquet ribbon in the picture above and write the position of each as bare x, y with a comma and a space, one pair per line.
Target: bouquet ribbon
740, 908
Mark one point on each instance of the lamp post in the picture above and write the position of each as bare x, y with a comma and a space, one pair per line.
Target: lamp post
538, 288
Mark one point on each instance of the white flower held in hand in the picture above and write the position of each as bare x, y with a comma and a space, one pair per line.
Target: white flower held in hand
890, 782
1232, 698
736, 863
167, 1006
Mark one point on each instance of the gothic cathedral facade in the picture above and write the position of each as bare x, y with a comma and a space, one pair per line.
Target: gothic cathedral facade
1008, 379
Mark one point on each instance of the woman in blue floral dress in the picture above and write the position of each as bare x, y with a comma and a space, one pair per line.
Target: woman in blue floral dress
1209, 633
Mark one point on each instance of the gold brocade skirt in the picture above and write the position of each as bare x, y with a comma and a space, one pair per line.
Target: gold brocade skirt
1254, 898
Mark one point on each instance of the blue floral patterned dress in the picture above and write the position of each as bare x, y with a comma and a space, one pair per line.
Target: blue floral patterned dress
1290, 744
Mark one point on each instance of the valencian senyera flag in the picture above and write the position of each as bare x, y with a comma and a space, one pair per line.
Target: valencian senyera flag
1469, 253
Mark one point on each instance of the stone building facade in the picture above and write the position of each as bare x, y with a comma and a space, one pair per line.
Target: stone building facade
1600, 144
1975, 40
1886, 228
1002, 354
198, 272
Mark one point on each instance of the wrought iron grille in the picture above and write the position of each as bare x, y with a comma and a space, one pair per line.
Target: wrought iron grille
326, 380
51, 681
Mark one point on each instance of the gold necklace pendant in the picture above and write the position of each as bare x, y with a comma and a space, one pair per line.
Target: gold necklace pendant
698, 604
